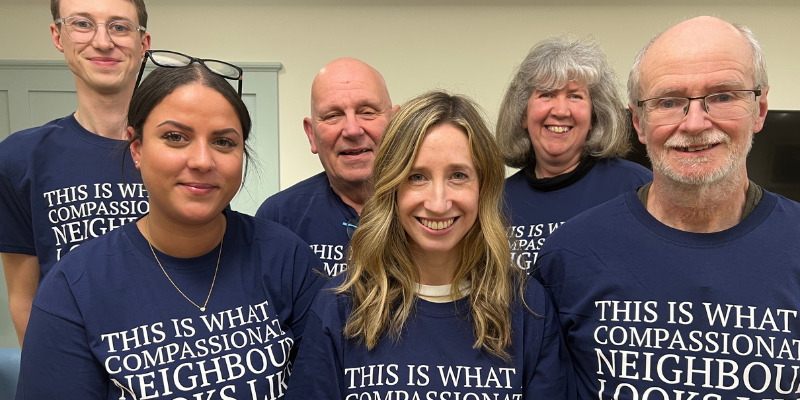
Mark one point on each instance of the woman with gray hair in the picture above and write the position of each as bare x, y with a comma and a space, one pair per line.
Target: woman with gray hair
563, 123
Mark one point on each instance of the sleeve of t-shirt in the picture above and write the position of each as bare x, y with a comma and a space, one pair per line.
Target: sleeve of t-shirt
307, 280
318, 372
62, 365
549, 269
16, 228
553, 376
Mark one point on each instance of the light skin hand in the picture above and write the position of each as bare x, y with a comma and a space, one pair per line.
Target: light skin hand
22, 278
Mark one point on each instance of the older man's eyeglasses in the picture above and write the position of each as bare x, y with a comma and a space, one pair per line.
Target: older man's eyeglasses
722, 106
351, 226
122, 32
173, 59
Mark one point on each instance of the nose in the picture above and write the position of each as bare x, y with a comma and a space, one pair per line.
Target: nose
102, 40
560, 107
438, 199
696, 119
352, 127
200, 158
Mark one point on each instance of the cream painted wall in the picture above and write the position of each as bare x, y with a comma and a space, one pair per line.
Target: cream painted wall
470, 50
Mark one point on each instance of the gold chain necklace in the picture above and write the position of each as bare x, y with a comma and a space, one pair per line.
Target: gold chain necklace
219, 256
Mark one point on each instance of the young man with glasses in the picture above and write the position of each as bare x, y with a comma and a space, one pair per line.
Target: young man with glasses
350, 109
66, 182
687, 288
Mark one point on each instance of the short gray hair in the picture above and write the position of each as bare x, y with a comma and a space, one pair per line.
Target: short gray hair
550, 65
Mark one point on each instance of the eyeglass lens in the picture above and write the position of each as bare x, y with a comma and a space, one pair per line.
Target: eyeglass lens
164, 59
83, 30
351, 226
222, 68
720, 106
171, 59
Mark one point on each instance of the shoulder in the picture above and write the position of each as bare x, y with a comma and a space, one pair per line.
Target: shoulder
103, 250
596, 222
535, 296
518, 176
784, 203
331, 307
517, 188
252, 229
20, 144
96, 262
37, 132
316, 184
778, 211
271, 248
297, 195
537, 313
621, 168
516, 181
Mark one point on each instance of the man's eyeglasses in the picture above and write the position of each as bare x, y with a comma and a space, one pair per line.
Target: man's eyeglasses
351, 226
82, 30
722, 106
172, 59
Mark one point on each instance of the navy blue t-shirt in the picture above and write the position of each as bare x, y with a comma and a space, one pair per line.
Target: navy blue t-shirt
536, 214
106, 322
654, 312
313, 211
61, 185
434, 358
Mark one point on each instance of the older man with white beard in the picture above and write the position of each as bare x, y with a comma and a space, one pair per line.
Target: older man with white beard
688, 287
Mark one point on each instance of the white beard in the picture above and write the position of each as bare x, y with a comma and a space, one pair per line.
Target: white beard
732, 162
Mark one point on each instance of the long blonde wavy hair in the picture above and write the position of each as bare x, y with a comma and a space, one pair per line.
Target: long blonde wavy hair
381, 276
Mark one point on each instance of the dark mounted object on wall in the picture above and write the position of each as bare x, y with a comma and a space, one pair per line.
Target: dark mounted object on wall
774, 161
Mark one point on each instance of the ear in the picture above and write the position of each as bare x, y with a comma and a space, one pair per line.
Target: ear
637, 123
145, 42
309, 128
758, 124
136, 148
55, 32
394, 110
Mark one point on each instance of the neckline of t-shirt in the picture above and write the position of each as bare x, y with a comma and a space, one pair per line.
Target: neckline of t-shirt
457, 308
205, 261
89, 137
692, 239
348, 211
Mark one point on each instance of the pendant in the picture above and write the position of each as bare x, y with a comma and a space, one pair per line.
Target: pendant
203, 309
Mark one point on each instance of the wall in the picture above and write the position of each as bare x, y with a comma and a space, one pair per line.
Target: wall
464, 49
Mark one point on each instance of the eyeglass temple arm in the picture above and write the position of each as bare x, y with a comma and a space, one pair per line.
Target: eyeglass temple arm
141, 72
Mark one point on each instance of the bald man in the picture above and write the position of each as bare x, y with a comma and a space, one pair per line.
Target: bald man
687, 288
350, 109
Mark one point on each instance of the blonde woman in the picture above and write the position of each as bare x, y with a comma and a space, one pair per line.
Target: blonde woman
431, 306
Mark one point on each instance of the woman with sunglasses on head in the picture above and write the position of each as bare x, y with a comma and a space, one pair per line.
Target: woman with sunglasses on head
193, 300
431, 306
